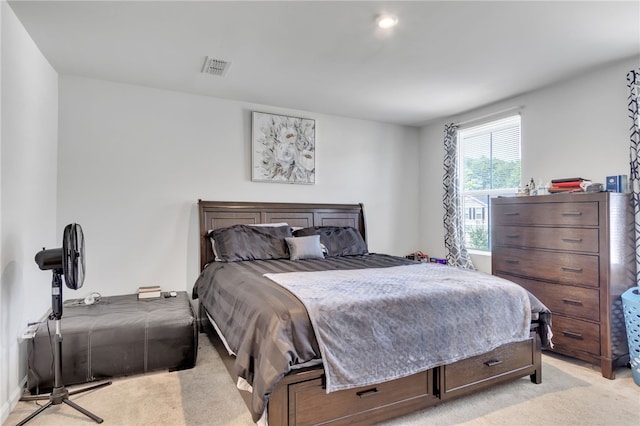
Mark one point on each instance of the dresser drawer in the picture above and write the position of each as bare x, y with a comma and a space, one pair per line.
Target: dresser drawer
566, 268
309, 400
481, 368
565, 214
572, 239
563, 299
575, 334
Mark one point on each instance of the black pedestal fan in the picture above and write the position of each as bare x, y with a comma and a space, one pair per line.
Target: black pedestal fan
67, 261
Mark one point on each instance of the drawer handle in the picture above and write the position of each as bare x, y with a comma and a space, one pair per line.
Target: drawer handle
569, 269
572, 335
512, 261
368, 392
513, 236
571, 213
493, 363
512, 214
572, 240
572, 302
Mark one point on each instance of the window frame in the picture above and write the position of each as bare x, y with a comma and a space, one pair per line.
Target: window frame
491, 126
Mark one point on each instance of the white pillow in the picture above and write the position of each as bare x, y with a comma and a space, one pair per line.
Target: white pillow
305, 247
213, 247
268, 224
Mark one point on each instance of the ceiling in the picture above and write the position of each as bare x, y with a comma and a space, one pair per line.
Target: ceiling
443, 58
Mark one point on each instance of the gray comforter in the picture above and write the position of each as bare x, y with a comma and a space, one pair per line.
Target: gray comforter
268, 327
376, 325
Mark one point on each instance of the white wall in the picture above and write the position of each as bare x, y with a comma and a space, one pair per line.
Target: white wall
133, 162
576, 128
28, 188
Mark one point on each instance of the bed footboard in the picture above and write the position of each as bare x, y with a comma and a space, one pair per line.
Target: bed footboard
300, 398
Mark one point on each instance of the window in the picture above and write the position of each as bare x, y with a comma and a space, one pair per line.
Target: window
489, 166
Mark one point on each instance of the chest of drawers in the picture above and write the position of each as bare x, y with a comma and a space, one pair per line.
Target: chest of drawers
575, 252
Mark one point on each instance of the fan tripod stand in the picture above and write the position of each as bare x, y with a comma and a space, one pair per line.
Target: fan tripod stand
60, 394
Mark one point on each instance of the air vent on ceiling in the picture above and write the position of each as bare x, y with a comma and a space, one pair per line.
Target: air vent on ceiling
215, 66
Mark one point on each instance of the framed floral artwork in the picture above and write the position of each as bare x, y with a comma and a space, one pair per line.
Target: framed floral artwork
283, 149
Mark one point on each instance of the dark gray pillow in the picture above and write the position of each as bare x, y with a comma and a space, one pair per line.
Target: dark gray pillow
339, 240
245, 242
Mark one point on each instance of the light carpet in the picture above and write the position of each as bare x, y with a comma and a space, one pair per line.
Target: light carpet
571, 393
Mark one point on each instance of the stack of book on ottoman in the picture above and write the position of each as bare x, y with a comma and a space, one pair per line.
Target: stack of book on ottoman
150, 292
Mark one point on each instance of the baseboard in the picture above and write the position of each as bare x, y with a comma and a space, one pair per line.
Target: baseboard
15, 396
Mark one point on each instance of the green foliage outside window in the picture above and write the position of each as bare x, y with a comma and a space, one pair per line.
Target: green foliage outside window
478, 173
478, 237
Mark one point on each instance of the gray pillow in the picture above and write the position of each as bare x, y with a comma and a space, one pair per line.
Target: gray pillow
339, 240
305, 247
245, 242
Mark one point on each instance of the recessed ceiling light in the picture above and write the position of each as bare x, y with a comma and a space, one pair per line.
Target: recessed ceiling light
386, 21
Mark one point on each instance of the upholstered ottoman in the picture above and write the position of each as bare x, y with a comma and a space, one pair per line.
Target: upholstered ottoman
118, 336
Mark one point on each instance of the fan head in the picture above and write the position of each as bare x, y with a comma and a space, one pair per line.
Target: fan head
68, 260
73, 254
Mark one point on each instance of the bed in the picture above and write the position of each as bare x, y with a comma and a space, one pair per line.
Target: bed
268, 302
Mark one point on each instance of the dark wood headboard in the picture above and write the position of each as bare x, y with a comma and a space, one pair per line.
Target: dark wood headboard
220, 214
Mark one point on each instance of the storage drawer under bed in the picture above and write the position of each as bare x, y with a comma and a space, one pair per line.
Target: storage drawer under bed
309, 401
472, 373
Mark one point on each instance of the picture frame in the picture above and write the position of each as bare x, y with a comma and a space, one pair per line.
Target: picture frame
283, 149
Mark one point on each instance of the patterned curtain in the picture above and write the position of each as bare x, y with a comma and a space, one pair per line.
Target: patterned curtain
453, 215
633, 82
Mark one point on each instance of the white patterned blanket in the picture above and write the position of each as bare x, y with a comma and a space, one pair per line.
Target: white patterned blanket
375, 325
